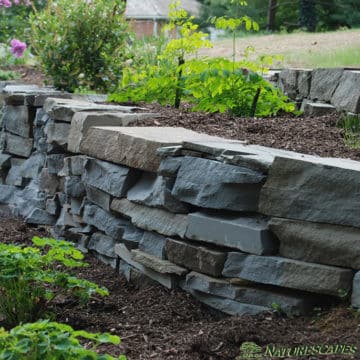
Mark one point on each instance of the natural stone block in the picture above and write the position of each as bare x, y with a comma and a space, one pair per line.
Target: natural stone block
305, 190
355, 298
18, 120
134, 146
57, 133
49, 183
77, 205
5, 161
324, 83
170, 166
40, 217
55, 163
159, 265
53, 206
248, 234
155, 191
132, 236
318, 109
7, 193
98, 197
153, 244
14, 177
151, 219
104, 221
73, 165
18, 145
74, 187
215, 185
102, 244
65, 218
113, 179
197, 258
294, 274
317, 242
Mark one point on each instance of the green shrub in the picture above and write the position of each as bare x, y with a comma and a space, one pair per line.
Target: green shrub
46, 340
30, 279
81, 43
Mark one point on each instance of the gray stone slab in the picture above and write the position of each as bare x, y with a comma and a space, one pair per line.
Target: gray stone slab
294, 274
40, 217
215, 185
134, 146
77, 205
134, 276
53, 206
290, 302
73, 165
7, 193
151, 219
102, 244
318, 109
66, 219
355, 297
57, 133
305, 190
14, 177
98, 197
170, 166
324, 83
110, 178
18, 145
5, 161
55, 163
318, 243
50, 183
155, 191
104, 221
156, 264
18, 120
347, 95
197, 258
132, 236
74, 187
82, 121
168, 280
245, 233
153, 244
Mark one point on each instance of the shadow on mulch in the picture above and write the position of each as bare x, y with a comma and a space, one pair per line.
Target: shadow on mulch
157, 323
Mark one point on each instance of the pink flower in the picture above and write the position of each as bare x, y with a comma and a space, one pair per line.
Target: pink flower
17, 47
5, 3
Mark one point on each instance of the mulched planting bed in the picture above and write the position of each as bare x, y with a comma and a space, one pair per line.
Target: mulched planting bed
156, 323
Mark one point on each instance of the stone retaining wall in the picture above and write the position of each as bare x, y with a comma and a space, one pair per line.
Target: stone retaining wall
243, 228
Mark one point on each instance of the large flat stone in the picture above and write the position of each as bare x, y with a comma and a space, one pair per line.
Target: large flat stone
82, 121
294, 274
159, 265
197, 258
98, 197
151, 219
110, 178
321, 190
134, 146
324, 83
318, 109
104, 221
102, 244
155, 191
291, 303
212, 184
74, 187
18, 145
57, 133
355, 297
132, 236
153, 244
40, 217
7, 193
248, 234
18, 120
317, 242
347, 95
64, 109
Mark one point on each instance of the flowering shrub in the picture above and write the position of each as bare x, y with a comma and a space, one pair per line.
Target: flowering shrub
81, 43
17, 47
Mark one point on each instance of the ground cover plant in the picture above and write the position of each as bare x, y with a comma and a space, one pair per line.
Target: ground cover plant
212, 85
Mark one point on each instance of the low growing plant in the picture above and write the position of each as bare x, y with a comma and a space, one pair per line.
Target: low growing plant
351, 126
47, 340
31, 279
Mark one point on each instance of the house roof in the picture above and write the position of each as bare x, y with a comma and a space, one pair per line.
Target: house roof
156, 9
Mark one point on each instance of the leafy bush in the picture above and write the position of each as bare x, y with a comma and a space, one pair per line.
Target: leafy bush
52, 341
30, 279
81, 43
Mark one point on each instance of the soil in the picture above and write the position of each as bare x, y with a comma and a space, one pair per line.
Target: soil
28, 74
156, 323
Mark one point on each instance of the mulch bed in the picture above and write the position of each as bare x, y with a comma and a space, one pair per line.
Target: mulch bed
156, 323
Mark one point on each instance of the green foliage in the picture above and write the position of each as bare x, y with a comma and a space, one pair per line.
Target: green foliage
351, 126
7, 75
45, 340
31, 279
81, 43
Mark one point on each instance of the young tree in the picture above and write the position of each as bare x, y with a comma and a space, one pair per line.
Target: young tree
271, 15
308, 14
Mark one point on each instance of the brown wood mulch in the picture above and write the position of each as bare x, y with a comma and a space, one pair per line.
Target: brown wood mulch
156, 323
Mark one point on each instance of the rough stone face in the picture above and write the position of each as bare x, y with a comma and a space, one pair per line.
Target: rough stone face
77, 205
40, 217
197, 258
288, 82
73, 165
98, 197
355, 298
159, 265
153, 244
104, 221
347, 94
18, 145
248, 234
215, 185
170, 166
74, 187
111, 178
17, 120
132, 236
55, 163
294, 274
134, 146
151, 219
49, 183
168, 280
57, 133
102, 244
14, 177
305, 190
291, 303
155, 191
82, 121
5, 161
318, 243
65, 218
318, 109
324, 83
52, 206
304, 82
7, 193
